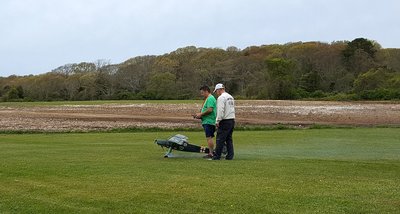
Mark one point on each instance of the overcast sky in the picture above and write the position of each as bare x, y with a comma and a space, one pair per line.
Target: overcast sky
37, 36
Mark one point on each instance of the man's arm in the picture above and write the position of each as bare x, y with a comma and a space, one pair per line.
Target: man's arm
220, 109
206, 112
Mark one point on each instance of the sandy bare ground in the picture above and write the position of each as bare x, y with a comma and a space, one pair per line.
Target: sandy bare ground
110, 116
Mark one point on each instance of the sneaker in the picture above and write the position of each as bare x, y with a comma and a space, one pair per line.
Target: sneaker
207, 156
215, 158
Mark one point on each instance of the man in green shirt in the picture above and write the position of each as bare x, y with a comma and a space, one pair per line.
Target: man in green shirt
208, 115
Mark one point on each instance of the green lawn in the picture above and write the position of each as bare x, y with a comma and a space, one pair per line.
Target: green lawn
288, 171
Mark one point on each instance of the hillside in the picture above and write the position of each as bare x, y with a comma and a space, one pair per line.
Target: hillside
356, 70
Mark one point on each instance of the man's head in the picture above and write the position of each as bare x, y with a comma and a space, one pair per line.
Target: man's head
219, 89
205, 91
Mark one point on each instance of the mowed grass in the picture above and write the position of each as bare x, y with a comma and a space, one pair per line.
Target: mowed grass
287, 171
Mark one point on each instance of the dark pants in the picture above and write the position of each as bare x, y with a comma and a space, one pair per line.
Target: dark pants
224, 135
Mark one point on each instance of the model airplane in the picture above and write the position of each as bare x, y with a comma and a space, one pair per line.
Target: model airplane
180, 143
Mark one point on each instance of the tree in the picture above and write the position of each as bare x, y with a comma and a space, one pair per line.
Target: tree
310, 81
366, 45
73, 86
20, 91
390, 58
133, 74
381, 78
251, 77
162, 86
289, 71
359, 55
102, 84
378, 84
232, 49
11, 95
87, 87
282, 86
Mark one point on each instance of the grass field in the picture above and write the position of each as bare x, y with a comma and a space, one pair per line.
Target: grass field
283, 171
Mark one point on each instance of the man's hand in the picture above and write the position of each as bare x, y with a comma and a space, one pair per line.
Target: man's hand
217, 125
197, 115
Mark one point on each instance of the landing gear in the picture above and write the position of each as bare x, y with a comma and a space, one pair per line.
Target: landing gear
169, 153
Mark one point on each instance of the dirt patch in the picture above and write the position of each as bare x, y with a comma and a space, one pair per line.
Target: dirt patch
110, 116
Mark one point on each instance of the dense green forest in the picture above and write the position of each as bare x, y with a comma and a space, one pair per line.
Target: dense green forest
346, 70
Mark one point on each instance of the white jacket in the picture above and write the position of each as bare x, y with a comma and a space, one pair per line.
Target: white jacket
225, 107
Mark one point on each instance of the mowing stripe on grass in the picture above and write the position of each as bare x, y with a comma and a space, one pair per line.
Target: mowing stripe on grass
283, 171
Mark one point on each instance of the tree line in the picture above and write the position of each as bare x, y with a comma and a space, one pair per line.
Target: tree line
344, 70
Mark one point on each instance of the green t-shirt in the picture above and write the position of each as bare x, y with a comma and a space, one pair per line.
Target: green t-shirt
211, 102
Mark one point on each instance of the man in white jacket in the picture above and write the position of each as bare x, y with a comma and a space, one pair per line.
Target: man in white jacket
225, 122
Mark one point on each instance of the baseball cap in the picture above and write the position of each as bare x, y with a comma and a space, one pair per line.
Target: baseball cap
218, 86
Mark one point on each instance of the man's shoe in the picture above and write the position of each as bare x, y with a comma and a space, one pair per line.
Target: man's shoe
215, 158
207, 156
